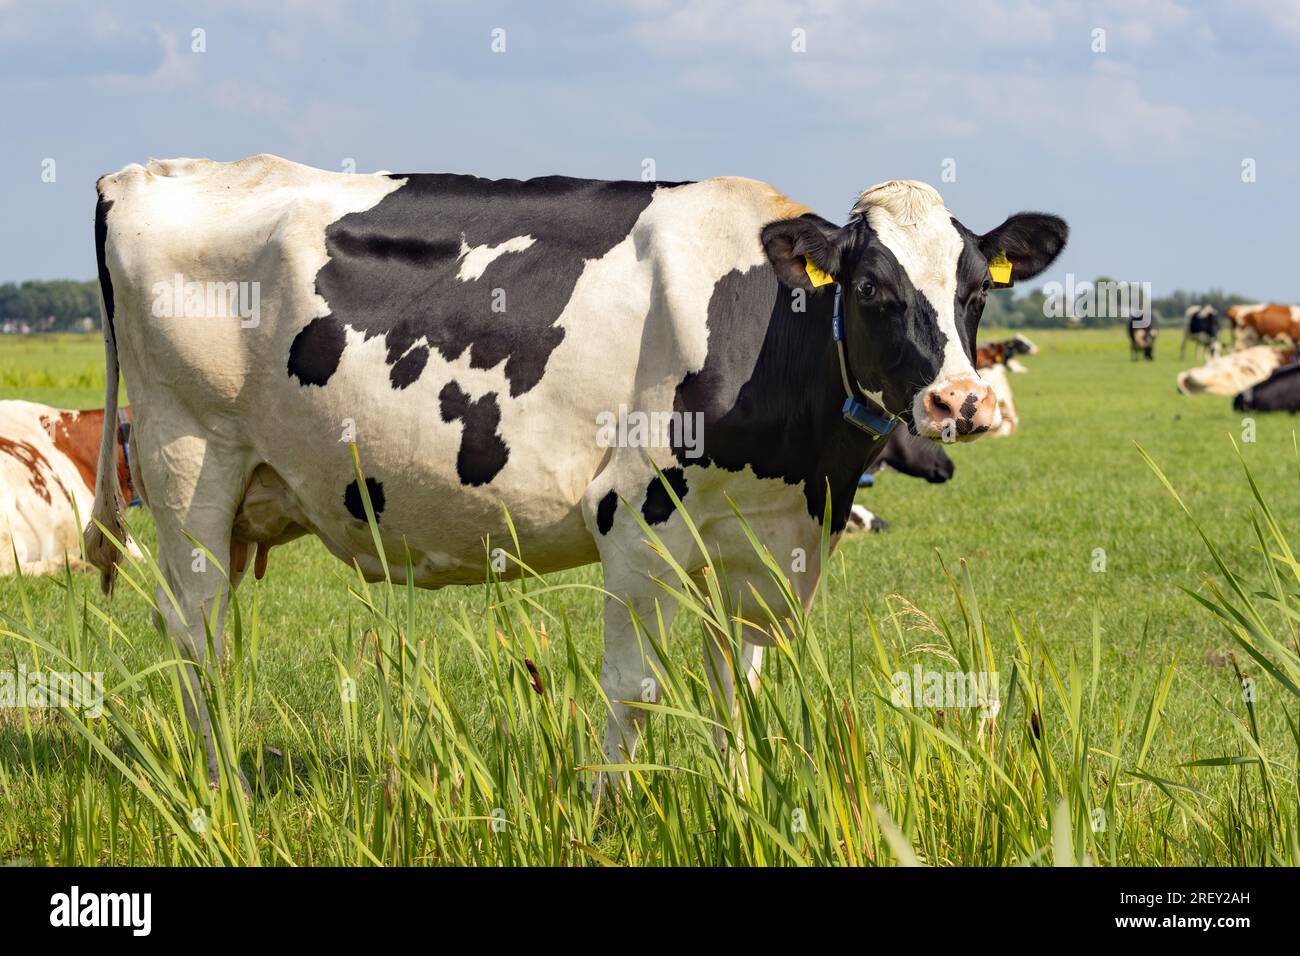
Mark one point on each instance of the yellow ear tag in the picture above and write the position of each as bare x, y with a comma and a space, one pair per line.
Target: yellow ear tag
817, 276
1000, 269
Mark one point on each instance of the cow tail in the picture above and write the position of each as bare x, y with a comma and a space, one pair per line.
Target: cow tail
98, 548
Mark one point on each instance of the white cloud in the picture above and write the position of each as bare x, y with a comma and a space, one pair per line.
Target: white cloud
178, 67
235, 96
1281, 15
709, 78
1024, 68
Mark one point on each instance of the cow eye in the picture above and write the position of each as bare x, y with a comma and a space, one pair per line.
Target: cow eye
866, 290
986, 285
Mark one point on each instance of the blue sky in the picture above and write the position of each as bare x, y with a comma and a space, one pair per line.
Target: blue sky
1140, 147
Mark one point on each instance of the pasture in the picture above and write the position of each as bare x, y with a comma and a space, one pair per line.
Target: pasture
381, 725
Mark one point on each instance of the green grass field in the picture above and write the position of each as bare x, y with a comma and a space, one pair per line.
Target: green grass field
1115, 682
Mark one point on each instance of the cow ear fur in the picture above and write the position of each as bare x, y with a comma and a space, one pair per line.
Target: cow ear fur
791, 243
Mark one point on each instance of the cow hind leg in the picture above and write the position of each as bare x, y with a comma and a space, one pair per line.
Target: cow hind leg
196, 490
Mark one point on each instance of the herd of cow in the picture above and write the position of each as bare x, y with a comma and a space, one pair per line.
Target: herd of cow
1261, 371
460, 337
48, 455
1260, 376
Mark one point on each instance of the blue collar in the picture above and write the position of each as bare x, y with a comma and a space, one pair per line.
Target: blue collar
861, 411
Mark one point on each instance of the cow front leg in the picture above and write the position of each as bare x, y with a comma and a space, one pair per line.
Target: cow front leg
722, 680
630, 672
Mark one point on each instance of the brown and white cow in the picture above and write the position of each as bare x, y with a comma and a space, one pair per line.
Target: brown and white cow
1236, 371
484, 343
1264, 322
48, 458
1004, 353
1142, 332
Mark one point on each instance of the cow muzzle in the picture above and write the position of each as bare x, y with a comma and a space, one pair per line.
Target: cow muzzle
959, 409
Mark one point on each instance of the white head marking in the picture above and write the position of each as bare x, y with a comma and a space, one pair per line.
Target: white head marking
911, 221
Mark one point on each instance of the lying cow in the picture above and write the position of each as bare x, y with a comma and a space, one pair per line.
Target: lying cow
1264, 322
908, 455
475, 337
47, 476
1004, 353
1142, 332
1229, 374
1280, 392
1201, 328
996, 376
915, 457
863, 520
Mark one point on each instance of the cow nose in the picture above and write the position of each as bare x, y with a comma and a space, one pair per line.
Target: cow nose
969, 403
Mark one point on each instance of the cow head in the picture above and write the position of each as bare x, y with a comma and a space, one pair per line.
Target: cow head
914, 282
1020, 345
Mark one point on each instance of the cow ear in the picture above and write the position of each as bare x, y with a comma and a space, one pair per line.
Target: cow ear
1031, 240
791, 244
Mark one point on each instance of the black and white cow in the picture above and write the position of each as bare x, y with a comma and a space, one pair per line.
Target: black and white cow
1201, 328
914, 457
1280, 392
485, 342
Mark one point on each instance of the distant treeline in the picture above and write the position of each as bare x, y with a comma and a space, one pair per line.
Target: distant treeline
58, 305
1032, 310
61, 305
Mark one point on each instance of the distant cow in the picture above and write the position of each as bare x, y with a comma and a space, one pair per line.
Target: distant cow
1004, 353
1142, 332
1280, 392
473, 341
1201, 327
1264, 322
47, 480
1229, 374
996, 376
